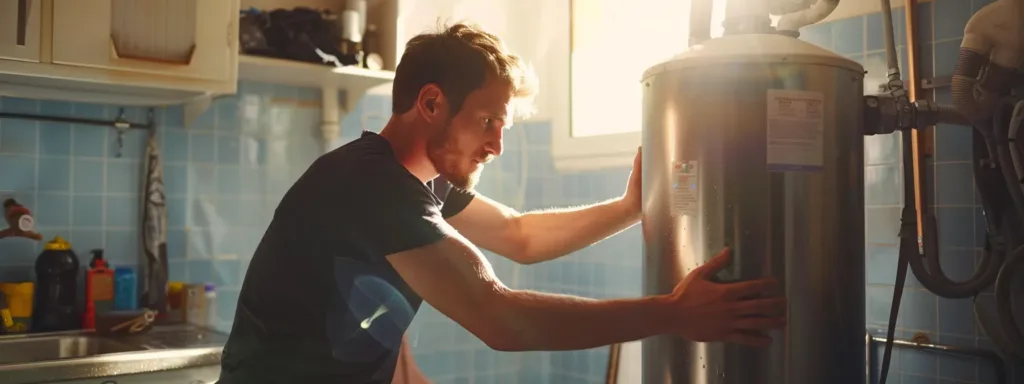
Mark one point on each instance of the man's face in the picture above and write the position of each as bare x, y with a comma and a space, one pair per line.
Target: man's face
473, 136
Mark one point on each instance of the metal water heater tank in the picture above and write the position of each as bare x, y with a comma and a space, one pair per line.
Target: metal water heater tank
755, 142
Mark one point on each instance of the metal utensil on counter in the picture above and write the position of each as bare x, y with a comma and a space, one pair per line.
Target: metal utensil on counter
125, 323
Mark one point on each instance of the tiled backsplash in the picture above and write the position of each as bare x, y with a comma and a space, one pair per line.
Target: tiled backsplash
225, 174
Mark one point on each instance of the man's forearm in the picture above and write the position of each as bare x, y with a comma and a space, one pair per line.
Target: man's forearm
550, 234
532, 321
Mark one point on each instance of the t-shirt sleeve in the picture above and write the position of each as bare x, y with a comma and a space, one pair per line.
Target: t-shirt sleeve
392, 212
456, 200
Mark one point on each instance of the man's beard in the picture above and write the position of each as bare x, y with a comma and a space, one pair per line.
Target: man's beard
444, 153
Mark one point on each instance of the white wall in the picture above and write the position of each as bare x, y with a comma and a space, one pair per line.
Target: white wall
538, 30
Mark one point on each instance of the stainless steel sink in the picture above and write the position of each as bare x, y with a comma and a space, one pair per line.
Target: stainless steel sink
49, 348
79, 355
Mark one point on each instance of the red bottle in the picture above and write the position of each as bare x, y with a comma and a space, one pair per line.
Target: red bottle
99, 289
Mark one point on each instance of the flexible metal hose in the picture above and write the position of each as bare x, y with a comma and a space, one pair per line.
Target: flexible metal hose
968, 67
948, 114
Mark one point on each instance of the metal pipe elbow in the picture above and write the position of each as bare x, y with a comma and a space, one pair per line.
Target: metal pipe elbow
815, 13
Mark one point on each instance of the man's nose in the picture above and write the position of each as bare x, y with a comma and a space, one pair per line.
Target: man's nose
494, 145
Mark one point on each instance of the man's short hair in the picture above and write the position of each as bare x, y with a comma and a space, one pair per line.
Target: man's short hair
459, 59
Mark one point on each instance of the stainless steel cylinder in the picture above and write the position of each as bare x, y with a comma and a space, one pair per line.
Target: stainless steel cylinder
755, 142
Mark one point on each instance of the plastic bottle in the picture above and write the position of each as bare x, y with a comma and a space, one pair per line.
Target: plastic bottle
211, 308
99, 289
126, 289
6, 320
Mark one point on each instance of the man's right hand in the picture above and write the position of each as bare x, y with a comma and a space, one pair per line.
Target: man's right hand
734, 312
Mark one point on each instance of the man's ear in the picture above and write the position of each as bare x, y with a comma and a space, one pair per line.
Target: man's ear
432, 104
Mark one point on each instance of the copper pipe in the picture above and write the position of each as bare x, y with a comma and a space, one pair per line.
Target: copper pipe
614, 355
913, 86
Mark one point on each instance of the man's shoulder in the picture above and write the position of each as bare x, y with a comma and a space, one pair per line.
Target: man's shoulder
369, 166
368, 158
369, 148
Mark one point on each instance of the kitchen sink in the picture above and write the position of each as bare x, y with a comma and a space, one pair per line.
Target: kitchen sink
48, 348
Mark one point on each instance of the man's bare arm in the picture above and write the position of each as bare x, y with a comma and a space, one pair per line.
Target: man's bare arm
452, 276
542, 235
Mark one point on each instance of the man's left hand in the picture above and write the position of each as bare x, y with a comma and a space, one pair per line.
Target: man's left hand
634, 195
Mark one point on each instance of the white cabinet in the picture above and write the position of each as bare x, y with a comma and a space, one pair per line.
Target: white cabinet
194, 39
198, 375
124, 52
20, 28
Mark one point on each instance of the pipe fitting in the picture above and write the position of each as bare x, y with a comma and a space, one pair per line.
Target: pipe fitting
815, 13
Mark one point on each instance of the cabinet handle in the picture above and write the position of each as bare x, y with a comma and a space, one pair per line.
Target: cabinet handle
23, 6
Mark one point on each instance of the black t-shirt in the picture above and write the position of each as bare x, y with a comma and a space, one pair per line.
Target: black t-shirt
320, 303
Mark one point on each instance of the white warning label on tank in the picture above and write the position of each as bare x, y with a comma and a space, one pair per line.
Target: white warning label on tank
796, 124
684, 188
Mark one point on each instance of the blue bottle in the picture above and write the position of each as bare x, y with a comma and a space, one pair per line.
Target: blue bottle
126, 288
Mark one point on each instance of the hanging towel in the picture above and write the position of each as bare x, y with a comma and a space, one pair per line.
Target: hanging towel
153, 263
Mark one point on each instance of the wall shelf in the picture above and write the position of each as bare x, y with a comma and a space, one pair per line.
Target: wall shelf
296, 73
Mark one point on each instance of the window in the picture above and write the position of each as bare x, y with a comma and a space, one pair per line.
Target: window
611, 44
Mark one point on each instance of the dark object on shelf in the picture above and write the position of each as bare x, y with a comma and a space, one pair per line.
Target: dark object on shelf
250, 33
294, 34
371, 49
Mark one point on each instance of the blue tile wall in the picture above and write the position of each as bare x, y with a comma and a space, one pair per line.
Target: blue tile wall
226, 172
223, 177
953, 199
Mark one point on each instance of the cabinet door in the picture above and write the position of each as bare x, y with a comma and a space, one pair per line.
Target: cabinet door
20, 26
182, 38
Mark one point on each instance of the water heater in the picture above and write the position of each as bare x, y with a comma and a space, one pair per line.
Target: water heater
755, 142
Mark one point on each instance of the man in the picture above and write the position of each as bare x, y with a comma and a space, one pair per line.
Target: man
361, 239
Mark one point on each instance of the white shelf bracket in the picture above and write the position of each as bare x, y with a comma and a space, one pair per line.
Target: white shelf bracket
195, 108
331, 112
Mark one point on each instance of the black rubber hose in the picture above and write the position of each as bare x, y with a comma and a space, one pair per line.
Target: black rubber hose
931, 275
908, 249
1001, 235
1017, 140
1004, 302
935, 280
1001, 132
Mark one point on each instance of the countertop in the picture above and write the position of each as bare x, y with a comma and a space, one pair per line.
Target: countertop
162, 348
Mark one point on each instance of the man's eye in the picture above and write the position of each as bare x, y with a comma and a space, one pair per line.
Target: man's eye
487, 122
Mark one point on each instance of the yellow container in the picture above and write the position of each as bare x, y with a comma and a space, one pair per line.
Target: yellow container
19, 300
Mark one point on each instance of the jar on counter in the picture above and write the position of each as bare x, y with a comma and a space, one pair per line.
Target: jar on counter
199, 304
